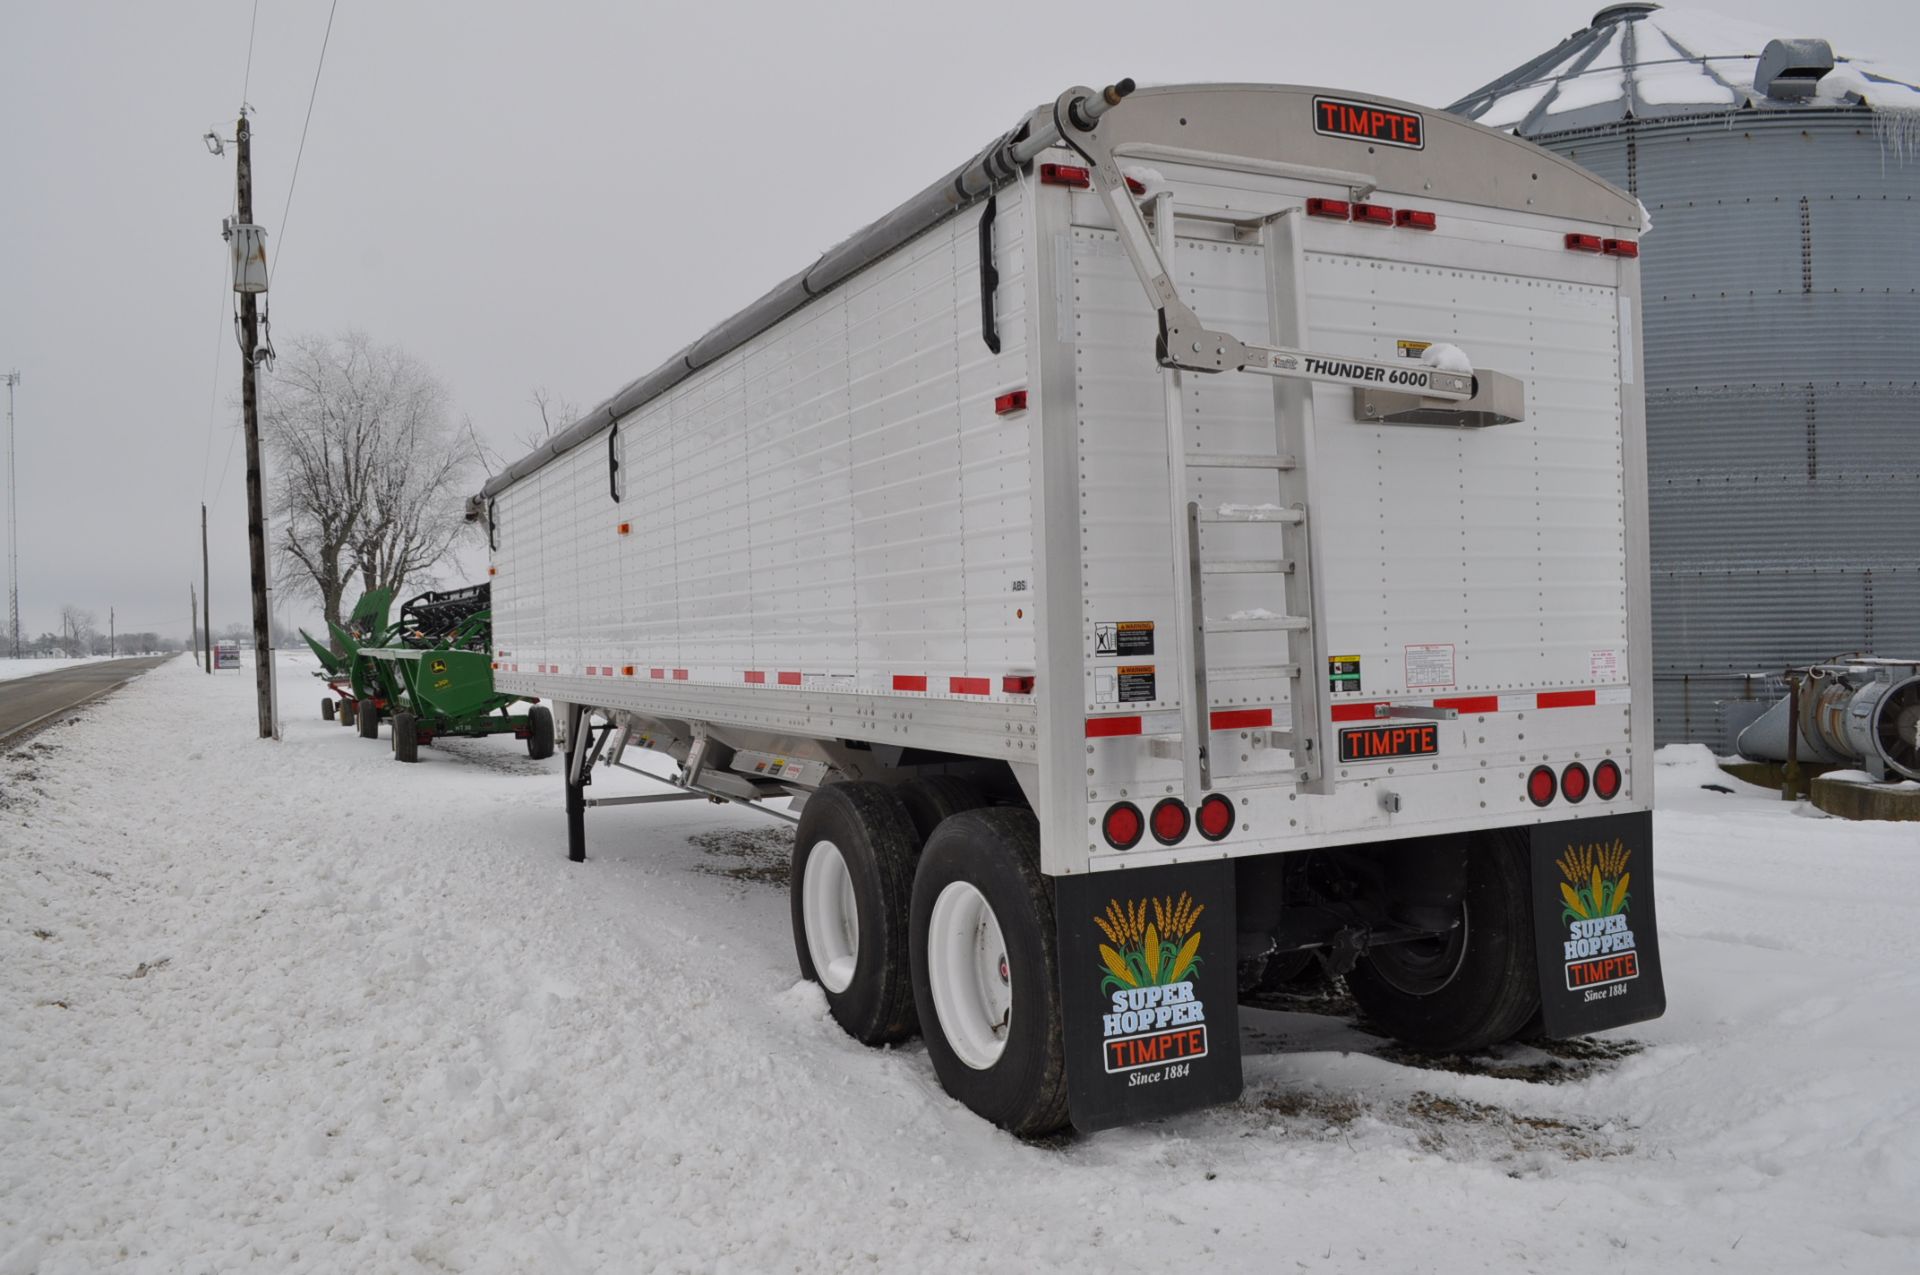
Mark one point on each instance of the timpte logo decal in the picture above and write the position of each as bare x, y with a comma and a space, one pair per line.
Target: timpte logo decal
1151, 955
1600, 954
1366, 122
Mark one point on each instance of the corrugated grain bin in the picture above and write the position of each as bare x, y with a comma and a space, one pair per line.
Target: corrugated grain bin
1782, 315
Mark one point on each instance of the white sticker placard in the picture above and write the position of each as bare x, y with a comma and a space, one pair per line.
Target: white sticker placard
1429, 666
1604, 665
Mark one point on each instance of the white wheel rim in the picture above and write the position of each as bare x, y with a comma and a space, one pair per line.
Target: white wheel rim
971, 979
831, 916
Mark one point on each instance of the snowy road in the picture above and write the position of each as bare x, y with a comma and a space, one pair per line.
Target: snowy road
26, 698
301, 1008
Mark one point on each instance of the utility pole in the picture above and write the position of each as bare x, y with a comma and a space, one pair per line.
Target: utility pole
113, 642
206, 598
193, 618
13, 528
249, 280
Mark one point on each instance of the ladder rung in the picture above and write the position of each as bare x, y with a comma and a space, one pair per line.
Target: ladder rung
1249, 672
1250, 567
1267, 624
1238, 460
1251, 513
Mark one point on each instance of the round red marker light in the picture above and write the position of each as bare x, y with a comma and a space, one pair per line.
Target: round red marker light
1541, 786
1606, 780
1170, 821
1215, 817
1573, 782
1124, 826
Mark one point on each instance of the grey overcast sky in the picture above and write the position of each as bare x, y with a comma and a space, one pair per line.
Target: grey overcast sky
558, 194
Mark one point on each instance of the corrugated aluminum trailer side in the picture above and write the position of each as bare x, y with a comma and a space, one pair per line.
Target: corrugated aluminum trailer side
1225, 549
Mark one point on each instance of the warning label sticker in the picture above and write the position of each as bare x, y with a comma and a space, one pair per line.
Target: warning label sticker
1343, 673
1123, 637
1429, 665
1410, 349
1603, 666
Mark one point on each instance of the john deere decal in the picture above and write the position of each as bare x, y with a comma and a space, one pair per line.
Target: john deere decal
1149, 960
1147, 991
1594, 926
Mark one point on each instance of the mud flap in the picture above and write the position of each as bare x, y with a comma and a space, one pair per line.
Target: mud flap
1594, 924
1147, 988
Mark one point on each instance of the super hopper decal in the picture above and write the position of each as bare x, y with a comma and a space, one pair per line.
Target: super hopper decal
1156, 1020
1599, 950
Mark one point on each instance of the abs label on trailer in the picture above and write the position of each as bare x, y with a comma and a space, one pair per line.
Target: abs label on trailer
1594, 927
1343, 673
1369, 122
1148, 988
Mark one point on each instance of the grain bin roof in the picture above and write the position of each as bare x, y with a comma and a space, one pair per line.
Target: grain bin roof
1642, 61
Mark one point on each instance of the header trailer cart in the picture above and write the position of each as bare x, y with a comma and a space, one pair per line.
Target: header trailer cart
1207, 527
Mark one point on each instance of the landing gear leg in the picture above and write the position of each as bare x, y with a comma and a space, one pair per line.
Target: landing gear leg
579, 775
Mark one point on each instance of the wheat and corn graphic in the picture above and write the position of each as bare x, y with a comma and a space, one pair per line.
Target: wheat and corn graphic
1150, 942
1596, 881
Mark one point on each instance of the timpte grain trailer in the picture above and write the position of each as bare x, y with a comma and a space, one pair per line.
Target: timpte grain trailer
1208, 526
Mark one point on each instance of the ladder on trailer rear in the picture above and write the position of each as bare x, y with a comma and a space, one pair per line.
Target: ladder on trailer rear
1186, 346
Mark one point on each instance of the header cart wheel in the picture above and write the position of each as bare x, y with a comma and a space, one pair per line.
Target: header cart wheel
1473, 987
368, 719
406, 739
985, 970
540, 733
345, 713
852, 880
326, 709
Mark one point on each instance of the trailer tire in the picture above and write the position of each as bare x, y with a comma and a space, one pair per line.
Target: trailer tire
851, 885
932, 800
540, 733
406, 739
1474, 988
367, 718
326, 709
980, 880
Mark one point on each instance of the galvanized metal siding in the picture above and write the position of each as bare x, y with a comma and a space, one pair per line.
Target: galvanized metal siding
1782, 322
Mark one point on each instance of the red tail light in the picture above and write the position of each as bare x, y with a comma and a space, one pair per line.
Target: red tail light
1337, 209
1017, 684
1373, 214
1606, 780
1541, 786
1583, 243
1574, 783
1065, 175
1413, 220
1170, 821
1137, 186
1620, 248
1215, 817
1123, 826
1010, 402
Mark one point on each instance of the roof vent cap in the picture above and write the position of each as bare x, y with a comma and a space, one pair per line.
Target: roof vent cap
1619, 12
1790, 70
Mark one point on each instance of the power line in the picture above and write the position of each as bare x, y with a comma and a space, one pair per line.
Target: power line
286, 210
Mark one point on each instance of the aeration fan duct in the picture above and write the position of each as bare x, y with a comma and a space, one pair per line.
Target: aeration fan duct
1864, 714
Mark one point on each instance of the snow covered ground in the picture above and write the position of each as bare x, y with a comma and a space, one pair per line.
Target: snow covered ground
10, 668
301, 1008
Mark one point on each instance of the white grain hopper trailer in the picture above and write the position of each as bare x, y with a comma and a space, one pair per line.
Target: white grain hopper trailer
1207, 527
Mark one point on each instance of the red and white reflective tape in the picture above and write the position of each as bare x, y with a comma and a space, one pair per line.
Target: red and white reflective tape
1109, 727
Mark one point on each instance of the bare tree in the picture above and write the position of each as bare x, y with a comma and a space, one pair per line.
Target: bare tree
370, 475
76, 628
555, 413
